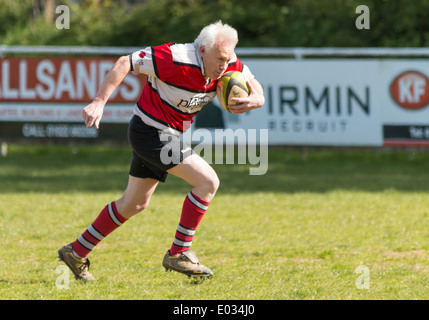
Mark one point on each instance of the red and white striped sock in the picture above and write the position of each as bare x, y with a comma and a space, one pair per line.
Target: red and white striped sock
107, 221
193, 211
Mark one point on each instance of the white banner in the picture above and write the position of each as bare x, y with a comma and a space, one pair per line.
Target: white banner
310, 102
340, 102
316, 102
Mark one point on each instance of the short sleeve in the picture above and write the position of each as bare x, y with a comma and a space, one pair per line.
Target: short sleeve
142, 62
247, 73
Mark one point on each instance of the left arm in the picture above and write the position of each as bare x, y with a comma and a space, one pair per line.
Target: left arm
255, 99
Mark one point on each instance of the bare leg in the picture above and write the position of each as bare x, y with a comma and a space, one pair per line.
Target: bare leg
136, 197
198, 173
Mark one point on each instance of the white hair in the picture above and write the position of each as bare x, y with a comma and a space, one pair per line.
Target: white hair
209, 34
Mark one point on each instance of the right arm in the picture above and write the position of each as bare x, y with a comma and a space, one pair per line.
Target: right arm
93, 112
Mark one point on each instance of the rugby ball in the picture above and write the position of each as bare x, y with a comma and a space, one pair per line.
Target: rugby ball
233, 86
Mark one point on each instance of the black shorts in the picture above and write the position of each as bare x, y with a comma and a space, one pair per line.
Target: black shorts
154, 151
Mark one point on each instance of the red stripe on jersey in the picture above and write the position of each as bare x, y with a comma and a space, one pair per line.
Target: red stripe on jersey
162, 113
236, 66
182, 76
161, 56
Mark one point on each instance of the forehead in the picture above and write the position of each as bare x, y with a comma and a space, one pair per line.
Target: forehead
223, 49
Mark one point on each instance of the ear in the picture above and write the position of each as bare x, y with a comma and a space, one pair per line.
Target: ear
202, 50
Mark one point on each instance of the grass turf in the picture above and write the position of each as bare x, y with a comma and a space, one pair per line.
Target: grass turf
301, 231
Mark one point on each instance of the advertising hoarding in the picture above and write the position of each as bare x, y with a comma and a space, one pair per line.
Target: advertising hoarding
311, 102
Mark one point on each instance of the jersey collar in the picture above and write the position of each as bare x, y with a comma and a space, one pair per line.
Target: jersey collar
201, 65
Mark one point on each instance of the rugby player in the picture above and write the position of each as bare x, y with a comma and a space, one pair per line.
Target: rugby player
182, 78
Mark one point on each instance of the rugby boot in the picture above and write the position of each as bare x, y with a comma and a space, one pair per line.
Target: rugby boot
187, 263
79, 267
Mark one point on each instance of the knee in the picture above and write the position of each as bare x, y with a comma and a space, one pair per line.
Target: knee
127, 210
210, 187
215, 183
139, 207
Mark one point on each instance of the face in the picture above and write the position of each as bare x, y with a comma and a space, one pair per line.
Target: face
216, 60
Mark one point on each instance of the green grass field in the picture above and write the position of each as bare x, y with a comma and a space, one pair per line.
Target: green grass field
301, 231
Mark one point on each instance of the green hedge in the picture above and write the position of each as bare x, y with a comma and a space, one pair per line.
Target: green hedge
261, 23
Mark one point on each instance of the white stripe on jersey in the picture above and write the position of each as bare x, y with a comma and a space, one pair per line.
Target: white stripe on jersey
170, 91
186, 54
156, 124
184, 101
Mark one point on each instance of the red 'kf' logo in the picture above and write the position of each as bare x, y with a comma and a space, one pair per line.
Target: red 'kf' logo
410, 90
142, 54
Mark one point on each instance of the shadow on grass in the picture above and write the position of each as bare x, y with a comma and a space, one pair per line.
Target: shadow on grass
100, 169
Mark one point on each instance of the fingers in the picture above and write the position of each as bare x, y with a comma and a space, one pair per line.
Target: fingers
89, 121
85, 118
92, 121
251, 87
246, 100
97, 123
238, 108
254, 100
92, 115
240, 105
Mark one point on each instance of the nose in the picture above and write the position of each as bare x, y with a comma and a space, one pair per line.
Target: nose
223, 66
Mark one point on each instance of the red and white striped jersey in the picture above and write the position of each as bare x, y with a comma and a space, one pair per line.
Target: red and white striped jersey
176, 89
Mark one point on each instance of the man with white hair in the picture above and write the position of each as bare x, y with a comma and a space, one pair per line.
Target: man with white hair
181, 79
